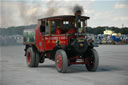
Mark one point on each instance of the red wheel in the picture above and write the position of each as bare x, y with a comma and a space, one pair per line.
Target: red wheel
61, 60
28, 57
32, 57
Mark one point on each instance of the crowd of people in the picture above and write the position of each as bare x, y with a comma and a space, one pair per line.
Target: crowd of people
109, 39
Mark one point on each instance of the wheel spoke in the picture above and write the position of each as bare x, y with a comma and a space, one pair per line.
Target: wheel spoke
59, 61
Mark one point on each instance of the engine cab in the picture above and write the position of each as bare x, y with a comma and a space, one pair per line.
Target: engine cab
59, 30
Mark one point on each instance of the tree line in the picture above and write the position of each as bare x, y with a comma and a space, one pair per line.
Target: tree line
18, 30
92, 30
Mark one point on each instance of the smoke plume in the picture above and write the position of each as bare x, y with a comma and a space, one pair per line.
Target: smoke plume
22, 13
78, 9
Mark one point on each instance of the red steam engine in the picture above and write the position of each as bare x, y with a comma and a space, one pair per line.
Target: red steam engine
62, 39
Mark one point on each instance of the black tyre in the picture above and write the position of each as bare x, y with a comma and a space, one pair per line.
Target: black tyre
93, 61
32, 57
61, 61
37, 59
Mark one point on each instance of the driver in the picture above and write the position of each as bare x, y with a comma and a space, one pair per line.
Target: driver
72, 30
58, 30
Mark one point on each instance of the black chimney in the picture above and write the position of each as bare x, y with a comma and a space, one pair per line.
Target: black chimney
78, 11
78, 19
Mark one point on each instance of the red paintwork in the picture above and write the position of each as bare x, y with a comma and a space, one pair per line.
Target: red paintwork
71, 30
28, 57
58, 31
38, 38
48, 42
37, 34
59, 61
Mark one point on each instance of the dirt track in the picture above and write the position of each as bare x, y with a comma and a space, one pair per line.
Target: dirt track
113, 69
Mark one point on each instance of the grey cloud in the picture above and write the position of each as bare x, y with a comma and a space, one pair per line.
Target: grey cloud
25, 13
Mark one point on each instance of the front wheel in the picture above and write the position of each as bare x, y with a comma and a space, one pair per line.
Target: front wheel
61, 61
93, 61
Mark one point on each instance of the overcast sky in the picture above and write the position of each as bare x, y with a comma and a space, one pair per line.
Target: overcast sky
26, 12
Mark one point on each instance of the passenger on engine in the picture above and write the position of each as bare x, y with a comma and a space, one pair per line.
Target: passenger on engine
58, 30
72, 30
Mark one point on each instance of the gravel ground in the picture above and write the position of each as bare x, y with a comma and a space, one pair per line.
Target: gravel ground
113, 69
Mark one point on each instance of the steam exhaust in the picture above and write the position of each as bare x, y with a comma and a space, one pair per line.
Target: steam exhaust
78, 10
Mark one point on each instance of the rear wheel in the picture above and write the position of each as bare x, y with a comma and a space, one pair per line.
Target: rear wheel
37, 59
61, 61
93, 61
32, 57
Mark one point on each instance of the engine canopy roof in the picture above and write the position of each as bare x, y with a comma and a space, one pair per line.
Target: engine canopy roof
63, 17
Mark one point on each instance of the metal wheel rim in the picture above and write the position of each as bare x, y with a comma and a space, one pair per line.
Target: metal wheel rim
28, 57
59, 61
91, 61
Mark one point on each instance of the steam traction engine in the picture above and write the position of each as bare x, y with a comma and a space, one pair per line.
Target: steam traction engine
61, 39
